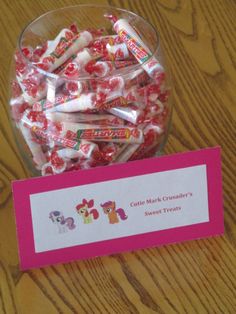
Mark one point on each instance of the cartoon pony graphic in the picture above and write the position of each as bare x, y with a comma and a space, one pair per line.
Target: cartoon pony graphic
109, 208
64, 224
83, 210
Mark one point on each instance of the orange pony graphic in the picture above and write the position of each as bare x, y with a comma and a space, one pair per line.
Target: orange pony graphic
109, 208
83, 210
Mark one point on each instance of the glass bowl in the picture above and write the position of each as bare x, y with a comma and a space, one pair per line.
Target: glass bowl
89, 87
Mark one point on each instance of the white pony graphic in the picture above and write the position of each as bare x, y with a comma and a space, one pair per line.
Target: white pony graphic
64, 224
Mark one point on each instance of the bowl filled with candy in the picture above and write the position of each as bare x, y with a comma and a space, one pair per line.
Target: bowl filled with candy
89, 87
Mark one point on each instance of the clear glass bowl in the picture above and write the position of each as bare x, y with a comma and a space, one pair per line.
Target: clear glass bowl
84, 93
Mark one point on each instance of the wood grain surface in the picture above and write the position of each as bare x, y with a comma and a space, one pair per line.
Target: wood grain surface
199, 41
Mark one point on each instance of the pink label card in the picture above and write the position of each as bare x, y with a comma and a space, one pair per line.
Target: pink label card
106, 210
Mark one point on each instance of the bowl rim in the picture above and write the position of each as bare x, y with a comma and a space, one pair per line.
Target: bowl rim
55, 76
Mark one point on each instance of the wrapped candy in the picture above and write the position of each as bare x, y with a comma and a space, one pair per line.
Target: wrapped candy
137, 47
68, 103
112, 134
121, 134
103, 119
117, 52
153, 134
127, 153
111, 150
62, 48
64, 35
133, 113
137, 78
88, 98
44, 131
35, 148
99, 68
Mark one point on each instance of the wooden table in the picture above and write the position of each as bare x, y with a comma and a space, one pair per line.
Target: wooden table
199, 41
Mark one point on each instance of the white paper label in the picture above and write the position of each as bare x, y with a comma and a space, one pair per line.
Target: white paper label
136, 205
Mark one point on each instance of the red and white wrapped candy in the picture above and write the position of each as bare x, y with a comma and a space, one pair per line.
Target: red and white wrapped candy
63, 47
153, 133
71, 103
35, 148
137, 47
117, 52
98, 119
83, 99
133, 113
65, 138
96, 133
110, 151
65, 34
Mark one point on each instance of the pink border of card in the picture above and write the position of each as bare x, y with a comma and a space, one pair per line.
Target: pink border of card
23, 188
